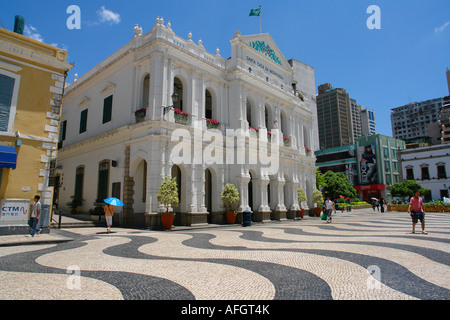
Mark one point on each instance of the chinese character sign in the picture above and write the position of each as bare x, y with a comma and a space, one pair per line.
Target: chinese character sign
15, 210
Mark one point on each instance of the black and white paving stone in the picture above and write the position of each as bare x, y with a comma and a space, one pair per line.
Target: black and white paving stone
362, 255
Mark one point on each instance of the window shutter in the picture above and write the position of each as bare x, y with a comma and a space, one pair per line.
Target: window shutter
107, 109
6, 90
83, 120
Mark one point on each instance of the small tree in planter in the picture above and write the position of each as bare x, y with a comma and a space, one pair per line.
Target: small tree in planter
75, 203
230, 197
301, 198
318, 200
168, 196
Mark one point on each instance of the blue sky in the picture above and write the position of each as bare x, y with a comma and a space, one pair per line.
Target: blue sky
404, 61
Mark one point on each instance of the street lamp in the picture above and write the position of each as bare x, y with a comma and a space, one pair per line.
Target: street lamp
174, 101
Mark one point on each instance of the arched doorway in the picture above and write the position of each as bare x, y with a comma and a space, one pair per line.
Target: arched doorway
176, 173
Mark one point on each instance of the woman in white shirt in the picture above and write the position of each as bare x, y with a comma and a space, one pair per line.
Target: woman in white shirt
329, 207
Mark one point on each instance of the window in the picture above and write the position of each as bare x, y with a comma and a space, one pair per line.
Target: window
103, 180
425, 173
79, 178
83, 120
107, 109
62, 133
409, 174
441, 171
6, 93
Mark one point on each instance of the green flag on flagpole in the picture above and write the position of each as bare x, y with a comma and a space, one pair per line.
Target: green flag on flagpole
255, 12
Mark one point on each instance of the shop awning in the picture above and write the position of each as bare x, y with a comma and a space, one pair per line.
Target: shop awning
8, 157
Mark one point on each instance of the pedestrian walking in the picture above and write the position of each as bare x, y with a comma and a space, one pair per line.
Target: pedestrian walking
34, 217
417, 211
329, 207
109, 212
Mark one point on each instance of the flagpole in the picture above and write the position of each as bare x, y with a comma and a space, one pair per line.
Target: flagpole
260, 17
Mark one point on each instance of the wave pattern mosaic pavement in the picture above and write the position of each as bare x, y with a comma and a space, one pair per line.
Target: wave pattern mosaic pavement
362, 255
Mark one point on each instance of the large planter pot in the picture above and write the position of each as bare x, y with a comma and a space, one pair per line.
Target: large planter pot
167, 220
231, 217
302, 213
317, 211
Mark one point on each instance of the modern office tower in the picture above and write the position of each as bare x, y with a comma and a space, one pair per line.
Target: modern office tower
368, 124
334, 117
411, 121
356, 118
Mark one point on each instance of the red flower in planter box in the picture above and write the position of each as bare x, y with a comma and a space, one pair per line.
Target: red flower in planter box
212, 121
178, 111
143, 110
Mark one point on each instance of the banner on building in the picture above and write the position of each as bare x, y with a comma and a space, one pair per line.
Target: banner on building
368, 164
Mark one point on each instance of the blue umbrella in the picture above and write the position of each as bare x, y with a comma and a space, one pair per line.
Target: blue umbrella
114, 202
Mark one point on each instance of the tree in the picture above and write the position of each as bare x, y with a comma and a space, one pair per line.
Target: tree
317, 198
337, 184
406, 189
301, 196
168, 193
230, 196
320, 182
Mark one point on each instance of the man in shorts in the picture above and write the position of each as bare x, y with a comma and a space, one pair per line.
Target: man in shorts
416, 211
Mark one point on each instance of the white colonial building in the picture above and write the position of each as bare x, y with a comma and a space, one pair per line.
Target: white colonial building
164, 106
429, 166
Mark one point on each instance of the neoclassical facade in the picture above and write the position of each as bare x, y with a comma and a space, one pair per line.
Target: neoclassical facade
164, 106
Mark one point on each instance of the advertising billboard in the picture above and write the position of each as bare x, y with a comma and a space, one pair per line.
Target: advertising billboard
368, 164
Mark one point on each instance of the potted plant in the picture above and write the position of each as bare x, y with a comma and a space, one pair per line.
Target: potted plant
140, 115
301, 198
230, 197
318, 200
212, 124
75, 203
168, 196
181, 117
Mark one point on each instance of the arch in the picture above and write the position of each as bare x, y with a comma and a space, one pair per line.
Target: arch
268, 117
140, 185
179, 88
179, 172
249, 104
209, 105
145, 91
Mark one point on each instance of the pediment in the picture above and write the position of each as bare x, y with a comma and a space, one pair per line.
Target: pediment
264, 46
84, 102
109, 88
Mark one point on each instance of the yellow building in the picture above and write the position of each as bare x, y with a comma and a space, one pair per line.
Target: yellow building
32, 78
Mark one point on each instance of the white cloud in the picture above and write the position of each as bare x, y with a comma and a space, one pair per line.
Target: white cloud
442, 28
108, 16
32, 33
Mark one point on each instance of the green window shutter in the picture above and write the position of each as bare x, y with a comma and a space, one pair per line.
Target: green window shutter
6, 91
107, 109
103, 177
79, 177
83, 120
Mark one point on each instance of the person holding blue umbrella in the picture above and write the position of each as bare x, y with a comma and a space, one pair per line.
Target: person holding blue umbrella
109, 211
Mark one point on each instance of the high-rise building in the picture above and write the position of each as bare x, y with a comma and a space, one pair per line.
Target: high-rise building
356, 119
368, 124
334, 116
411, 121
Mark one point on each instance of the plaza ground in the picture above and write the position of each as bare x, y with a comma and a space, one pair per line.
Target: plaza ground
361, 255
